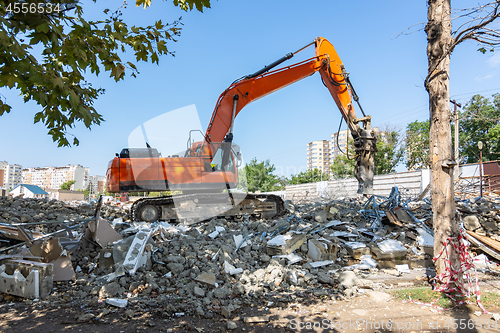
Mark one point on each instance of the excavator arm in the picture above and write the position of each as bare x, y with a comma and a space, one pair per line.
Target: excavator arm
264, 82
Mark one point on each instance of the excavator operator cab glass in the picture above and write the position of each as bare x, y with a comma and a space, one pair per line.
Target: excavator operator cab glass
217, 163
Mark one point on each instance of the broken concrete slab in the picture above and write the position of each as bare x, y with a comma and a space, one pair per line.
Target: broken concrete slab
285, 244
389, 249
317, 264
52, 252
356, 249
137, 255
320, 250
207, 278
28, 279
198, 291
102, 232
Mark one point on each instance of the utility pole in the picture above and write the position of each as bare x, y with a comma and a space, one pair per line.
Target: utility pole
456, 174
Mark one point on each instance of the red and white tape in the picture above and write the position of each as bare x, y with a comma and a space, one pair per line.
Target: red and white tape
449, 281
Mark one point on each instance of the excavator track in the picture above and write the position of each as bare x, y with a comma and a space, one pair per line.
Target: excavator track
193, 208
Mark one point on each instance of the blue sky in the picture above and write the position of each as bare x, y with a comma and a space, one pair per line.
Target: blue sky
235, 38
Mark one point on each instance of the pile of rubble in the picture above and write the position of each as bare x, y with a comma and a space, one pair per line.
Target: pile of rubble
327, 250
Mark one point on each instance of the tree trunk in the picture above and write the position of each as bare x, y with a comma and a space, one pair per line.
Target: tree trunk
438, 31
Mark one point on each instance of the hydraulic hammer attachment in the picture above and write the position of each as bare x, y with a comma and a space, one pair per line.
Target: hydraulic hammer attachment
365, 146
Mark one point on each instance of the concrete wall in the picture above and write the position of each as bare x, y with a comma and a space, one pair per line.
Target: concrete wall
65, 195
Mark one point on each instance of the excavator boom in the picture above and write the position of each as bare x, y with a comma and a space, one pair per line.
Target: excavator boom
264, 82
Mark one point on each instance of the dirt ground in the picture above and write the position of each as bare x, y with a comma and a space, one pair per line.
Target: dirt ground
371, 312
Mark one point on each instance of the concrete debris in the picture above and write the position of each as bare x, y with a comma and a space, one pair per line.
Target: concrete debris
24, 278
285, 244
52, 252
118, 302
403, 268
207, 278
332, 249
348, 279
231, 325
322, 249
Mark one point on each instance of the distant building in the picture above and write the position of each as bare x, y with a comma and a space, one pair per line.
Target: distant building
29, 191
318, 156
343, 138
96, 185
1, 177
54, 177
64, 195
12, 175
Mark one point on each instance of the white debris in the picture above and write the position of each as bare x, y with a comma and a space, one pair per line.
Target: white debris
279, 240
236, 271
292, 258
355, 245
217, 231
403, 268
368, 260
228, 267
238, 241
118, 302
391, 245
424, 238
321, 263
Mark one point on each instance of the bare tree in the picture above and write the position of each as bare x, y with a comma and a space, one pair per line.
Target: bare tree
441, 41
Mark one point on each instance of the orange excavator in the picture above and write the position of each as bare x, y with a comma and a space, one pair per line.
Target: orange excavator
207, 173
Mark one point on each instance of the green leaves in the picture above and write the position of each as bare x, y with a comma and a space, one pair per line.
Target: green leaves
260, 177
417, 145
185, 5
67, 185
309, 176
480, 121
390, 152
68, 48
342, 167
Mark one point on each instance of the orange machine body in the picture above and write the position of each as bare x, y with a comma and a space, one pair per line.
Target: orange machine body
190, 173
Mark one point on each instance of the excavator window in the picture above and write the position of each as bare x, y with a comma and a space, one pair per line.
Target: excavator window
217, 161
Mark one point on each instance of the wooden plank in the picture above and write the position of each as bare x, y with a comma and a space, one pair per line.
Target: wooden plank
483, 247
393, 218
486, 240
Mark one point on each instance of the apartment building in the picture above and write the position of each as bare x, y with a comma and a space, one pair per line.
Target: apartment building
12, 175
54, 177
343, 138
96, 184
318, 153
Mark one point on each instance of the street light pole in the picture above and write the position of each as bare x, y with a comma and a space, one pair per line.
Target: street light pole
480, 146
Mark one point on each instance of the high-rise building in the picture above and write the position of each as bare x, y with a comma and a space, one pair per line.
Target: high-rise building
318, 156
54, 177
12, 175
343, 138
96, 184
